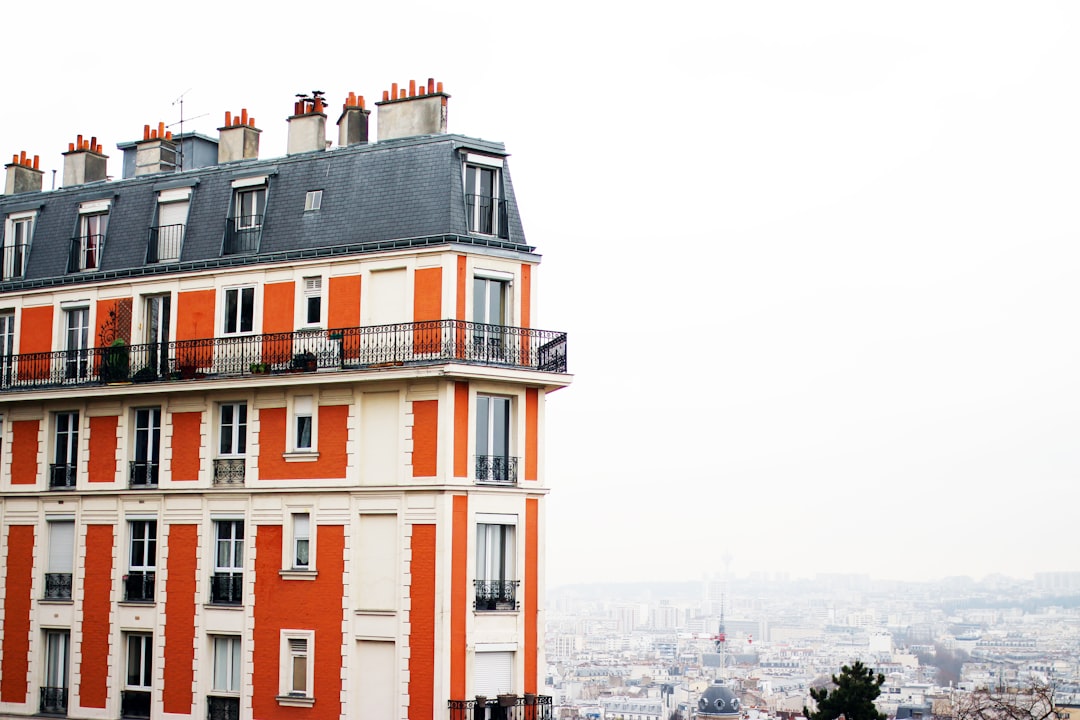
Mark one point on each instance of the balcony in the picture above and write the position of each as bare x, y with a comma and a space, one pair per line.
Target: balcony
85, 253
227, 588
135, 704
57, 586
242, 234
53, 701
496, 470
164, 242
496, 595
143, 474
487, 215
13, 260
139, 587
229, 471
361, 348
222, 707
504, 707
61, 476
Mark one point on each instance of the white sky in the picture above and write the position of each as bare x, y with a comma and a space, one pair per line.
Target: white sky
817, 260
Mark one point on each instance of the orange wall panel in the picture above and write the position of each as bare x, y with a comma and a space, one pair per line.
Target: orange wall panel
24, 451
179, 653
186, 443
461, 429
18, 576
195, 321
427, 294
35, 336
532, 404
97, 591
422, 624
333, 436
344, 302
459, 598
113, 321
526, 295
425, 437
282, 604
462, 286
103, 438
532, 592
279, 307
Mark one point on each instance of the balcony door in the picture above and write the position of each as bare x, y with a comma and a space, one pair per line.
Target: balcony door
491, 315
54, 690
76, 343
157, 314
7, 348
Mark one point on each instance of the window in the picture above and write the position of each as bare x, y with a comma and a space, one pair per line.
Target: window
301, 541
226, 664
233, 428
493, 672
239, 310
313, 200
484, 205
142, 565
76, 342
243, 229
491, 313
55, 688
296, 679
167, 237
135, 700
157, 317
313, 301
16, 247
493, 461
144, 468
302, 423
65, 450
87, 247
250, 205
496, 586
61, 560
226, 586
7, 347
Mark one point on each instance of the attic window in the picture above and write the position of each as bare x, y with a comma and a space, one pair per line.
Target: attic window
313, 201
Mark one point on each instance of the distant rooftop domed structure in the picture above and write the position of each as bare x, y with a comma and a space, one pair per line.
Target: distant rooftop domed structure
718, 701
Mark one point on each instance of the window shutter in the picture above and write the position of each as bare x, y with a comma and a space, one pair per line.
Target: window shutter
298, 646
492, 673
61, 546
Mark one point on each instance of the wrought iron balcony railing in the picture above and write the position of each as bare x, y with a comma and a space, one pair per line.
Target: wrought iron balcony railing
61, 476
54, 701
139, 586
229, 471
372, 347
487, 215
222, 707
496, 594
143, 474
242, 234
85, 253
135, 704
13, 260
57, 586
227, 588
496, 469
503, 707
164, 242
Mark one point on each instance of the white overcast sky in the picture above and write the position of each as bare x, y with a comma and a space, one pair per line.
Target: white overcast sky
818, 260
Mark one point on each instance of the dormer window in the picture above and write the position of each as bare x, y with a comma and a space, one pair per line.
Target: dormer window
166, 239
484, 203
18, 230
244, 228
87, 246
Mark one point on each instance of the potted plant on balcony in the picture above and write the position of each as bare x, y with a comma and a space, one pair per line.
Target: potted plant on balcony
305, 361
507, 700
116, 363
260, 368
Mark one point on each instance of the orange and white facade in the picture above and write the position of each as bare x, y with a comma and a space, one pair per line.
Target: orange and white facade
289, 477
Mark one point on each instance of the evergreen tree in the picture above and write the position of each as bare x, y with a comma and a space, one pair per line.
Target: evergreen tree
852, 696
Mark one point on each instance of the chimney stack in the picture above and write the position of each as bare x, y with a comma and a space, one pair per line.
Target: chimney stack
23, 175
238, 139
157, 151
353, 123
419, 112
307, 124
84, 162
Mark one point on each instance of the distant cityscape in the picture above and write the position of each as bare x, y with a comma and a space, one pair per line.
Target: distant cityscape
647, 651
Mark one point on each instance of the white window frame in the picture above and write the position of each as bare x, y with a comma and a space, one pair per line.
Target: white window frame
93, 216
16, 224
500, 530
234, 545
146, 537
76, 340
490, 431
290, 648
148, 435
478, 164
312, 290
233, 429
293, 532
174, 199
233, 658
61, 559
68, 439
7, 346
257, 193
145, 644
238, 319
301, 406
313, 201
57, 666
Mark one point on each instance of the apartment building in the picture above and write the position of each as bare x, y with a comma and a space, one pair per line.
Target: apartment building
272, 430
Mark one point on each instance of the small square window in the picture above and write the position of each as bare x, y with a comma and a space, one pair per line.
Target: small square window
313, 201
301, 541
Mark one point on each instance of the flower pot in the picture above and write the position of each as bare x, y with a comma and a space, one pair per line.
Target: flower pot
507, 700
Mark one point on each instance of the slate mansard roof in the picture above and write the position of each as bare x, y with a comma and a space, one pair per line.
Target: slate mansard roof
396, 193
